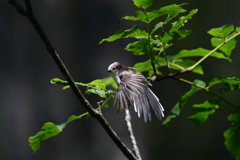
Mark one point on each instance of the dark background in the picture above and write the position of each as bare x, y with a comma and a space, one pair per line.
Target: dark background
28, 100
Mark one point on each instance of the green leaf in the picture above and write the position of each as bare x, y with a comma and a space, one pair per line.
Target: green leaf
184, 19
174, 13
157, 26
58, 81
198, 52
215, 79
180, 34
171, 9
98, 83
183, 64
200, 112
49, 130
228, 87
143, 3
140, 16
146, 66
96, 91
170, 16
65, 83
175, 112
135, 32
109, 81
140, 47
65, 87
238, 29
232, 138
164, 37
226, 48
221, 32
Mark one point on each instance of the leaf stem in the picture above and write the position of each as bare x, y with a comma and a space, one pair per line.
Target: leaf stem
167, 62
207, 90
152, 55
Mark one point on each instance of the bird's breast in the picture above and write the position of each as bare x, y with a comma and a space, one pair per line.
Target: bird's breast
116, 78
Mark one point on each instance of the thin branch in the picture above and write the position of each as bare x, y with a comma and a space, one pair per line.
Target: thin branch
99, 106
159, 78
85, 103
132, 137
207, 90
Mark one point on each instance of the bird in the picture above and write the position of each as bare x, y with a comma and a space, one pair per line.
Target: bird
133, 90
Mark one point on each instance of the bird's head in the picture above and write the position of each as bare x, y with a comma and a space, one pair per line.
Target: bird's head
114, 68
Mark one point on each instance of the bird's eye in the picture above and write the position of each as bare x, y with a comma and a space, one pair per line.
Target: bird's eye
114, 68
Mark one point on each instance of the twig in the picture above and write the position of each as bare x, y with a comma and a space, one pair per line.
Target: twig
99, 106
159, 78
85, 103
130, 131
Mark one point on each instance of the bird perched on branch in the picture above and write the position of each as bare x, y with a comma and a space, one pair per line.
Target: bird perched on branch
133, 89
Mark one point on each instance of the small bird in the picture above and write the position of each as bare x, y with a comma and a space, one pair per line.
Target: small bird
133, 89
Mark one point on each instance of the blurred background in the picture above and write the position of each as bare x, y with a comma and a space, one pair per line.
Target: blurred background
28, 100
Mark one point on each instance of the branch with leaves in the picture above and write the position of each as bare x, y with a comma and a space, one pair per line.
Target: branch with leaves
154, 43
35, 141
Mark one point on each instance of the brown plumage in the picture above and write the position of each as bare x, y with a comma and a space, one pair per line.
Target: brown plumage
133, 89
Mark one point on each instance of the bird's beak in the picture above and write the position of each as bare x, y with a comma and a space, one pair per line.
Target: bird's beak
108, 70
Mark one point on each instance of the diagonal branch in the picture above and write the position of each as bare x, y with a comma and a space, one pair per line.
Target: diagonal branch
85, 103
171, 75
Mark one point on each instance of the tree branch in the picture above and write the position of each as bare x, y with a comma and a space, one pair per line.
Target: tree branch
159, 78
85, 103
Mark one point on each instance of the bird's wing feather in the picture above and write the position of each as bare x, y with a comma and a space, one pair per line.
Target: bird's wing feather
133, 90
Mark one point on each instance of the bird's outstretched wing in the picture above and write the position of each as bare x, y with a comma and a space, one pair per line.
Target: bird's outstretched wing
133, 90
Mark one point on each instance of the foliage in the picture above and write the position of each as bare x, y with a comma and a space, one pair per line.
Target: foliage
154, 43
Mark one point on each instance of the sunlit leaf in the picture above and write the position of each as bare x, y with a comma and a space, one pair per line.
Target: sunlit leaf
215, 79
175, 112
135, 32
221, 32
65, 83
164, 37
176, 25
163, 11
180, 34
96, 91
143, 3
174, 13
226, 48
139, 16
58, 81
171, 10
157, 26
146, 66
238, 29
49, 130
232, 138
200, 112
98, 83
108, 81
198, 52
65, 87
140, 47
